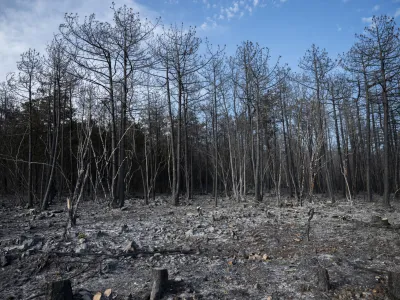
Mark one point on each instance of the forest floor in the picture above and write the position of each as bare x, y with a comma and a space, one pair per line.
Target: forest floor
235, 251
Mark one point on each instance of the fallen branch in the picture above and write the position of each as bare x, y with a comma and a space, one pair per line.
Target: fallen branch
36, 296
356, 266
124, 254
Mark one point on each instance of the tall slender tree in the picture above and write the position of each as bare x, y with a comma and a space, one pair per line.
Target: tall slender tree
381, 49
30, 67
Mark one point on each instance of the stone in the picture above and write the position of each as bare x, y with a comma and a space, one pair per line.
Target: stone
81, 248
109, 265
22, 247
32, 211
189, 233
100, 234
4, 260
38, 246
28, 243
131, 247
242, 254
124, 228
83, 295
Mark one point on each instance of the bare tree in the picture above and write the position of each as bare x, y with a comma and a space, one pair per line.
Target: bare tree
256, 79
57, 68
129, 36
30, 67
317, 65
381, 49
90, 45
178, 55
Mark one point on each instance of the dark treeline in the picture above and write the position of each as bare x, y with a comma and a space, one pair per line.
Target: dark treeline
120, 108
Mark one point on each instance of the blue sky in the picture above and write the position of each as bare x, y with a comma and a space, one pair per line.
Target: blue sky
287, 27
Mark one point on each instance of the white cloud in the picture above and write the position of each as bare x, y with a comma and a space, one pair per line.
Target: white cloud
397, 13
28, 24
235, 7
206, 3
229, 14
249, 8
238, 8
376, 7
367, 20
276, 3
233, 10
339, 28
209, 24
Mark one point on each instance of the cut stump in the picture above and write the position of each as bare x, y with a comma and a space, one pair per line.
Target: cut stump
59, 290
385, 222
160, 277
322, 279
376, 219
394, 285
379, 221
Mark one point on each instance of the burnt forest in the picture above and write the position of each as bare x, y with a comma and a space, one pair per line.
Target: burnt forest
140, 161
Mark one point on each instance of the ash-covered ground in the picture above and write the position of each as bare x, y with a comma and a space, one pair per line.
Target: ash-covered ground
241, 250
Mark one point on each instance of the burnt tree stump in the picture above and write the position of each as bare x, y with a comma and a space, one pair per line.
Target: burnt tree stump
59, 290
376, 219
160, 277
322, 279
379, 221
394, 285
310, 216
385, 222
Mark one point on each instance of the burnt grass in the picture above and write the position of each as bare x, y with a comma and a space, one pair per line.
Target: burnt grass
241, 250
